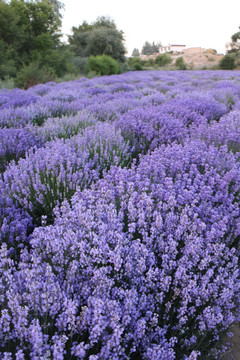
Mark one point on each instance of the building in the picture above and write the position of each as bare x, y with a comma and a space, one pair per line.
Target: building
177, 48
164, 49
173, 48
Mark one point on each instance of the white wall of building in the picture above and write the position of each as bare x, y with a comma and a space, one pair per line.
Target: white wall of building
174, 48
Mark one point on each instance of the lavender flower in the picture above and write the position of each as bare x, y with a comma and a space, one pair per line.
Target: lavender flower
139, 178
14, 143
51, 174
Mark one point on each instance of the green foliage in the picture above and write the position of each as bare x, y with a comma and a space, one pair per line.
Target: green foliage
180, 63
227, 62
30, 42
27, 28
151, 62
80, 65
31, 75
123, 67
235, 37
59, 60
103, 65
107, 41
7, 83
135, 52
135, 63
67, 77
163, 59
104, 21
43, 42
235, 44
149, 49
98, 38
7, 63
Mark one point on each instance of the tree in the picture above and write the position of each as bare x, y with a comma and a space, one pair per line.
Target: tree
103, 65
236, 36
235, 44
163, 59
135, 52
149, 49
180, 63
227, 62
100, 37
28, 28
155, 47
104, 21
135, 63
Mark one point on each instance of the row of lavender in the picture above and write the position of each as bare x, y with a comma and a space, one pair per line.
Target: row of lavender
139, 176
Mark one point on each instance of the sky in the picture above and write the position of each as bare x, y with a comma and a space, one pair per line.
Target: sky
203, 23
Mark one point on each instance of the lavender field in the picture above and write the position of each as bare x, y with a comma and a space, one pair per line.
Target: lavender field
120, 217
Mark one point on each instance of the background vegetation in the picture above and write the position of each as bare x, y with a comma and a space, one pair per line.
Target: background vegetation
32, 50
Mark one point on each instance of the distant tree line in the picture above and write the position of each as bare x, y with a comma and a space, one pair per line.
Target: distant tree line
147, 49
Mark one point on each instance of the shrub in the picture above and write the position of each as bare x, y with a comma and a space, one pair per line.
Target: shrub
51, 174
180, 63
14, 143
163, 59
31, 75
103, 65
151, 62
7, 83
63, 128
138, 267
80, 64
15, 223
227, 62
123, 67
135, 63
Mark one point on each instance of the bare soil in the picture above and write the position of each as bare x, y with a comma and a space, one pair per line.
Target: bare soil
234, 349
199, 61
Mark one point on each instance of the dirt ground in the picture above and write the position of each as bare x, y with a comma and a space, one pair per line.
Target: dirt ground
203, 59
200, 60
234, 352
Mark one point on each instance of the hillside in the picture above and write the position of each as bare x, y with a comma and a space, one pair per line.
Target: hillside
200, 59
196, 58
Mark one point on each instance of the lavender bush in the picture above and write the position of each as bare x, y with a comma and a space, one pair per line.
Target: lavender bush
63, 128
225, 132
120, 217
15, 224
14, 143
51, 174
131, 269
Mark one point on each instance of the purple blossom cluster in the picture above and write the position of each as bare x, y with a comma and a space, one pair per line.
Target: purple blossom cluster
225, 132
131, 269
50, 174
15, 224
14, 143
64, 127
120, 217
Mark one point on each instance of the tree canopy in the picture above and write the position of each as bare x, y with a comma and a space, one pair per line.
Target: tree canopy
235, 45
135, 52
100, 37
27, 28
149, 49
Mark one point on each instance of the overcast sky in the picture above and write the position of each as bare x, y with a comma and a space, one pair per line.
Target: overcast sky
203, 23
